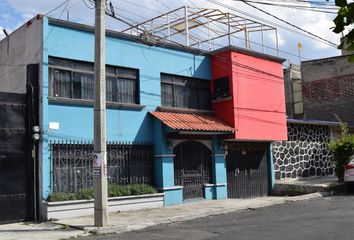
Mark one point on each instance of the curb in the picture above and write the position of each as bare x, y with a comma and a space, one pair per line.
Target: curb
168, 220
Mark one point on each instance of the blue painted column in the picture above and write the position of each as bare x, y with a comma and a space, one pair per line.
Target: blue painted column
163, 167
271, 174
217, 190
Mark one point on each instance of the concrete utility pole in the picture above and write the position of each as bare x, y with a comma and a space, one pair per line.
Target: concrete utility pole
100, 149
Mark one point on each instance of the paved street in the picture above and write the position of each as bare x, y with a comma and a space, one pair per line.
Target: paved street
322, 218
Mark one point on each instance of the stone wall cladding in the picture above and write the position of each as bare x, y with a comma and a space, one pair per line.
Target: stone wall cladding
305, 154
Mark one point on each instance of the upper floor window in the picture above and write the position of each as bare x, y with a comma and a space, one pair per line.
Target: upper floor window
221, 88
185, 92
75, 80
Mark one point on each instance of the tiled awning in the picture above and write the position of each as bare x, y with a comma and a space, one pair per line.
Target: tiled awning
193, 122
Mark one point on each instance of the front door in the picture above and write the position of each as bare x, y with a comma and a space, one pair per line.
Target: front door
192, 168
247, 170
14, 158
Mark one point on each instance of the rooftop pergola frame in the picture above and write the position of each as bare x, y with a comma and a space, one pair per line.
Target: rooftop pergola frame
206, 29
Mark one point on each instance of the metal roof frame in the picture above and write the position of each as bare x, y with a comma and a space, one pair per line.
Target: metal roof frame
201, 28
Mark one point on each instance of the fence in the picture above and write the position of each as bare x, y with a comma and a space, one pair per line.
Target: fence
128, 163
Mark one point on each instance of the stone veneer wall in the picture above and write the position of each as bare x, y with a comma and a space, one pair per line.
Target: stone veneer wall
305, 154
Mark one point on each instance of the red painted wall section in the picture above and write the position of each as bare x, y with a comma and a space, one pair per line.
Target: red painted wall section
258, 98
222, 67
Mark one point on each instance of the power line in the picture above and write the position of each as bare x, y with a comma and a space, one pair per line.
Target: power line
57, 7
247, 67
290, 24
304, 8
45, 40
269, 22
256, 43
84, 1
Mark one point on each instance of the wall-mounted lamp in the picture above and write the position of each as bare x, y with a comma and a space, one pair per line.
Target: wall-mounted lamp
243, 151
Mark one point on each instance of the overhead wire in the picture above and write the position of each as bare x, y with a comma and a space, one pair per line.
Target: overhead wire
247, 67
269, 22
65, 4
57, 7
288, 23
304, 8
238, 64
50, 32
256, 43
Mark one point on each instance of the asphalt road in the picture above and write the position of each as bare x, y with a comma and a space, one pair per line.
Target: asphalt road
323, 218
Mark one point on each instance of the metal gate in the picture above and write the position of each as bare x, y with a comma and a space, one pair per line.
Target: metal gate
247, 170
13, 157
192, 168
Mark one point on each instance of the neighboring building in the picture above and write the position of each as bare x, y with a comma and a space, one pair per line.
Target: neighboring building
328, 89
193, 125
293, 91
316, 93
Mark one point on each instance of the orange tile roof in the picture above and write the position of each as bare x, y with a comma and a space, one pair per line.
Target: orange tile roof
192, 122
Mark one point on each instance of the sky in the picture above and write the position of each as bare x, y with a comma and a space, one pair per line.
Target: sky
14, 13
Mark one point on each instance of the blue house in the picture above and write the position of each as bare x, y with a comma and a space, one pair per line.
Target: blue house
162, 128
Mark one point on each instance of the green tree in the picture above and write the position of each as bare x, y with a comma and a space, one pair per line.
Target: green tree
341, 150
343, 21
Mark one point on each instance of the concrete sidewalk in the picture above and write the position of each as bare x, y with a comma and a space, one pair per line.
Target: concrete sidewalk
135, 220
310, 181
38, 231
304, 185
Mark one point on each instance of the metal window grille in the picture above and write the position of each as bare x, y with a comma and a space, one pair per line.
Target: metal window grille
128, 163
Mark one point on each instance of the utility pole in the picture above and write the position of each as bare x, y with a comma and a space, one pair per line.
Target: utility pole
100, 149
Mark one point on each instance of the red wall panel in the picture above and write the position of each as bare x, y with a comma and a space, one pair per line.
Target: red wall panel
257, 107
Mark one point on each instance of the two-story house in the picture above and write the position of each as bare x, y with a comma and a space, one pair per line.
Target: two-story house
195, 125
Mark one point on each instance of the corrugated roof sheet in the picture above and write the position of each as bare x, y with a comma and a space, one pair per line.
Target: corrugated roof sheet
192, 122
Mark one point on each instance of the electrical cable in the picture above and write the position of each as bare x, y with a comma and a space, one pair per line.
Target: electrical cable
57, 7
311, 9
269, 22
290, 24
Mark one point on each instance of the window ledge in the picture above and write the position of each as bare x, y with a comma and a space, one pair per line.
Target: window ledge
184, 110
221, 99
83, 102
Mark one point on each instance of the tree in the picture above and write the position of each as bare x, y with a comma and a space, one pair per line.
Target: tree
343, 20
341, 149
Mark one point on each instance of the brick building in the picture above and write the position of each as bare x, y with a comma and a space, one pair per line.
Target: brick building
324, 88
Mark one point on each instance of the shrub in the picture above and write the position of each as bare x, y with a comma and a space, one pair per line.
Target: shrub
139, 189
59, 197
117, 190
86, 193
113, 191
341, 149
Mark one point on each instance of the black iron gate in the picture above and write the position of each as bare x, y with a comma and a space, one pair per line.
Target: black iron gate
13, 157
247, 170
192, 168
18, 151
